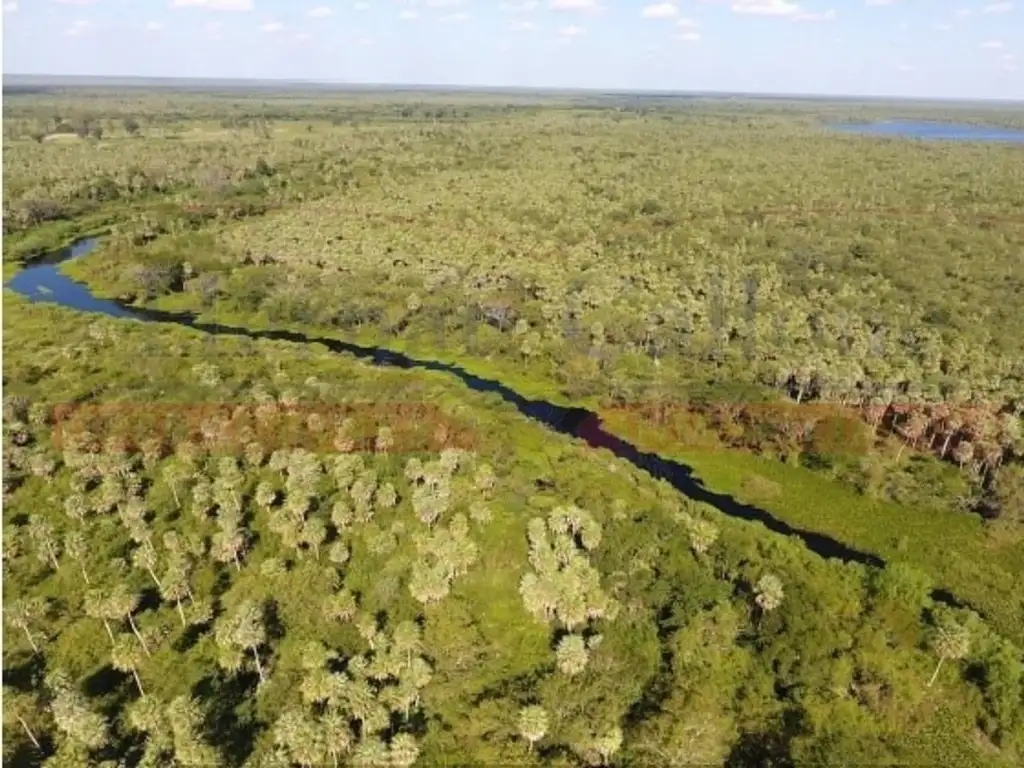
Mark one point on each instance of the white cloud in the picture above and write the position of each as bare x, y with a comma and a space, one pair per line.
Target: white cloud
408, 15
660, 11
993, 45
521, 26
879, 2
524, 7
571, 31
214, 5
766, 7
11, 7
272, 27
907, 68
361, 7
79, 28
574, 5
964, 12
943, 27
76, 2
687, 22
320, 12
828, 15
455, 18
689, 37
154, 26
998, 8
444, 3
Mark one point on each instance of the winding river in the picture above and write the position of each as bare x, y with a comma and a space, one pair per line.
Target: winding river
43, 281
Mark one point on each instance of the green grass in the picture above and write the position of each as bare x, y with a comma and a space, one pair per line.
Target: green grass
951, 547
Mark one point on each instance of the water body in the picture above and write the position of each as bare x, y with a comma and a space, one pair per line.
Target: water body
913, 129
42, 281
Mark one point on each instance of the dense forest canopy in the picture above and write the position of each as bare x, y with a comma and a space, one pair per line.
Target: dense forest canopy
317, 561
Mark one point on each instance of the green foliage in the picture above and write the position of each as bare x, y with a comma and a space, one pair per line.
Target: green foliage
294, 575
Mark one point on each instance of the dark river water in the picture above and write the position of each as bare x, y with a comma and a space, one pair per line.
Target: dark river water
43, 281
913, 129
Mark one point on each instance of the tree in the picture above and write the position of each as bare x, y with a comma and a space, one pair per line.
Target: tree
98, 607
302, 737
41, 533
144, 556
243, 629
23, 708
131, 126
227, 544
337, 735
23, 613
608, 743
769, 592
73, 717
122, 604
703, 535
340, 606
125, 658
950, 641
572, 654
533, 724
403, 750
76, 547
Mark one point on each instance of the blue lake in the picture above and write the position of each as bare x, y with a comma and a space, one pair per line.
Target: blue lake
910, 129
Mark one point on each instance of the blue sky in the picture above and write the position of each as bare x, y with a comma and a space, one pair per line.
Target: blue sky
928, 48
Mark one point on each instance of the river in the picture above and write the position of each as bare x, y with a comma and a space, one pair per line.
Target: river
43, 281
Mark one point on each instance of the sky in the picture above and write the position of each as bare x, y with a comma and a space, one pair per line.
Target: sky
921, 48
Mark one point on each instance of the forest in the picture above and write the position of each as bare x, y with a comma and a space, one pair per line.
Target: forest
241, 549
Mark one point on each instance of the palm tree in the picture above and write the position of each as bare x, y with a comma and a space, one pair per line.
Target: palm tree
407, 640
302, 737
77, 549
144, 556
185, 720
122, 604
608, 744
125, 658
951, 641
338, 553
340, 606
337, 735
244, 629
73, 717
572, 655
769, 592
173, 476
22, 707
226, 545
403, 750
76, 507
41, 532
175, 584
23, 613
533, 724
98, 607
314, 532
148, 715
703, 535
265, 495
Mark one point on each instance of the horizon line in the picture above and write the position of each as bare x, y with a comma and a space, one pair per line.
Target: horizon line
482, 88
